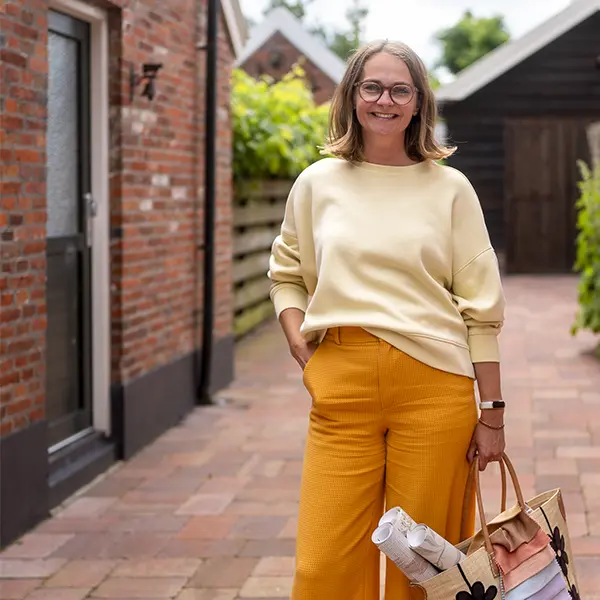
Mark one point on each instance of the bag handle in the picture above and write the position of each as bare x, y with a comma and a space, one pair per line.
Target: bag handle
469, 496
484, 527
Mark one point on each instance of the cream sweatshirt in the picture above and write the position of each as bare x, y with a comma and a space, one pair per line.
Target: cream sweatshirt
402, 252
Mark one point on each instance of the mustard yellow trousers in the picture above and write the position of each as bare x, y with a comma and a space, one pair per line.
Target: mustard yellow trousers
384, 429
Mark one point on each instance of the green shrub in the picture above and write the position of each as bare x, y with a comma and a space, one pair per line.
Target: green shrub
277, 128
588, 249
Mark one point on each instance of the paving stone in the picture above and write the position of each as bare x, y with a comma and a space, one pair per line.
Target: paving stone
196, 594
223, 572
258, 527
29, 568
78, 525
113, 545
262, 548
206, 504
17, 589
267, 587
202, 548
85, 507
208, 527
158, 567
36, 545
82, 574
59, 594
275, 566
146, 588
586, 546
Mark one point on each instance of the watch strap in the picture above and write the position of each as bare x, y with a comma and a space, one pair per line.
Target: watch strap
492, 404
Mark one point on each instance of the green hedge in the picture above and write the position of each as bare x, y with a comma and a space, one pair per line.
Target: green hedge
588, 249
277, 128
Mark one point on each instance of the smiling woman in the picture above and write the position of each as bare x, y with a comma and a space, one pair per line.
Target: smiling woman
389, 294
385, 93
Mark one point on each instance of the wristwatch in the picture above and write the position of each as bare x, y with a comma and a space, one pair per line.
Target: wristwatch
492, 404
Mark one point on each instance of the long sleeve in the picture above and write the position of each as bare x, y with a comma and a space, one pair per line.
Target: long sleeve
288, 288
476, 283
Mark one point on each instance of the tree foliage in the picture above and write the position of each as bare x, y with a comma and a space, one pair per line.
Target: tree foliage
588, 249
296, 7
340, 41
469, 40
277, 128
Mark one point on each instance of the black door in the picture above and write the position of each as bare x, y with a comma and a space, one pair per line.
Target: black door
68, 293
541, 176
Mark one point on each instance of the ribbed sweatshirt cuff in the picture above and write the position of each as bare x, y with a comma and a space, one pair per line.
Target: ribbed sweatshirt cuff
484, 348
289, 297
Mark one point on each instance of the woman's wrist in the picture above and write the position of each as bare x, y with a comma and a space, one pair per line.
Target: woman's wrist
492, 416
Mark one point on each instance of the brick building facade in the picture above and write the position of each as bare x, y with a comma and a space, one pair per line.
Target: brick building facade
101, 224
281, 41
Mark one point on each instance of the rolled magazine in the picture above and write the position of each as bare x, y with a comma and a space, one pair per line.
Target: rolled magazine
433, 547
396, 516
391, 540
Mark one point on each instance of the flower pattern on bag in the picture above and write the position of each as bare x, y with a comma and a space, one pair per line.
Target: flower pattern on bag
557, 541
478, 592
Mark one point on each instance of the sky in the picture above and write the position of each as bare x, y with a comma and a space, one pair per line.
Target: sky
416, 21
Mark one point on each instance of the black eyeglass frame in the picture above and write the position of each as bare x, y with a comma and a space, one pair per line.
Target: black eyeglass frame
387, 88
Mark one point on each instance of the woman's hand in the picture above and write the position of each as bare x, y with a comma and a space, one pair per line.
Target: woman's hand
487, 443
302, 351
291, 320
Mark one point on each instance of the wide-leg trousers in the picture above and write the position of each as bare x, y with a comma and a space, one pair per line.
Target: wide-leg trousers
385, 430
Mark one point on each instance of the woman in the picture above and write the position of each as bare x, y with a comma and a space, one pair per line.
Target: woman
406, 304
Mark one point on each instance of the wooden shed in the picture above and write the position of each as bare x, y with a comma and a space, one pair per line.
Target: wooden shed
519, 119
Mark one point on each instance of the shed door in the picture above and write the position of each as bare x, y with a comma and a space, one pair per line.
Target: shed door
541, 176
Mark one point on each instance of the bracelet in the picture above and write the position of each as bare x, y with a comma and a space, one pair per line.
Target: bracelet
494, 404
494, 427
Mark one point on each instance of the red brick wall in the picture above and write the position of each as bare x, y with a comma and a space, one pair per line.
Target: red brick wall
158, 223
22, 213
156, 194
260, 63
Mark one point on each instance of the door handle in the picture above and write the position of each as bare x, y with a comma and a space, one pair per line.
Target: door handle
91, 211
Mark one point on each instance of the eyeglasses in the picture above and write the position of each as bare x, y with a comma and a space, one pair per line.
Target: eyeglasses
400, 93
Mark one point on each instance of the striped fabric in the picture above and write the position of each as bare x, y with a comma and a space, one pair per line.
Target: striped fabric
527, 569
536, 584
509, 561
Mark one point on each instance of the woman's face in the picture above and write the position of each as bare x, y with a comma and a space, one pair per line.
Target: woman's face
391, 113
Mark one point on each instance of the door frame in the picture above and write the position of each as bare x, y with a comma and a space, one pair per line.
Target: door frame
100, 258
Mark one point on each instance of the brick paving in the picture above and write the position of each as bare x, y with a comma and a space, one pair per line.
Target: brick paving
208, 511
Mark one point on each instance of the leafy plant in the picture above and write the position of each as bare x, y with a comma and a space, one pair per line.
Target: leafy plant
588, 249
470, 39
277, 127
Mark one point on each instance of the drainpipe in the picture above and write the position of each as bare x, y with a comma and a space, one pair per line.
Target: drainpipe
210, 165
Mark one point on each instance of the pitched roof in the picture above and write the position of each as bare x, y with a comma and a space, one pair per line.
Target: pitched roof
283, 21
510, 54
236, 24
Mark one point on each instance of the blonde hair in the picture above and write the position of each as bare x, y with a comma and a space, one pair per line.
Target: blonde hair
345, 133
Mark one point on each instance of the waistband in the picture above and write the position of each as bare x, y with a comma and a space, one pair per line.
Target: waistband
350, 335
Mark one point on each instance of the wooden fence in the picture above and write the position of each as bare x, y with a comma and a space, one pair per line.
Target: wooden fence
257, 215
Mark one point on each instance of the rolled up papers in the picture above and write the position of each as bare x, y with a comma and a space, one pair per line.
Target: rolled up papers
433, 547
393, 543
396, 516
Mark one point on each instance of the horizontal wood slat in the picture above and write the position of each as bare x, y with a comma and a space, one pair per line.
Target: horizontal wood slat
257, 213
249, 267
258, 210
251, 293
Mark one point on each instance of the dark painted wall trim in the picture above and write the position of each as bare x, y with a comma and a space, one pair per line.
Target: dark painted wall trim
79, 463
23, 481
146, 407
